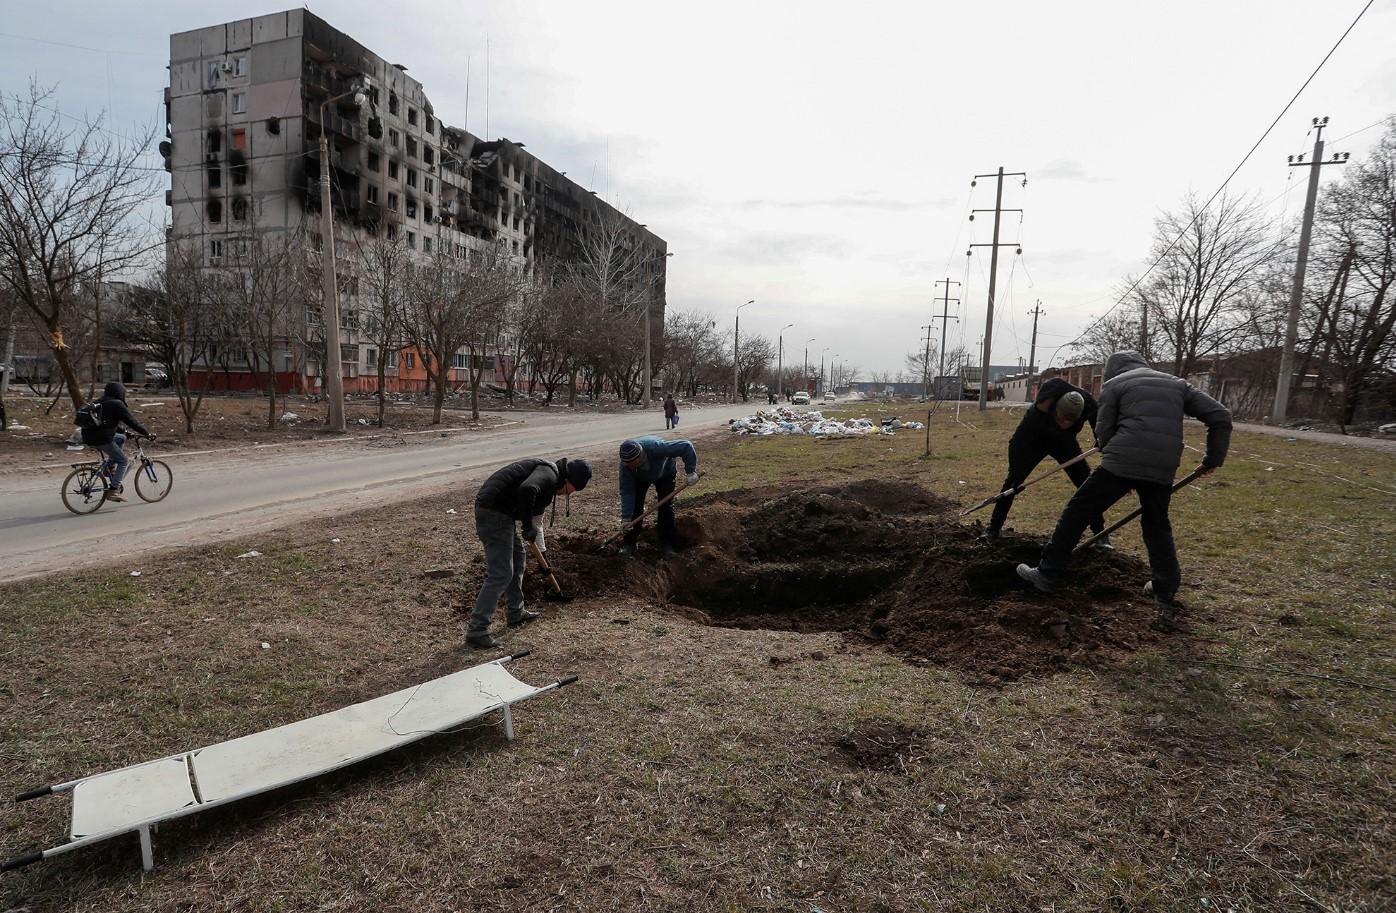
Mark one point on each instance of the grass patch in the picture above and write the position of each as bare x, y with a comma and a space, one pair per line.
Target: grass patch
687, 770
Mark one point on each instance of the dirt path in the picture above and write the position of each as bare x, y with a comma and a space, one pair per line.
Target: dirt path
1381, 445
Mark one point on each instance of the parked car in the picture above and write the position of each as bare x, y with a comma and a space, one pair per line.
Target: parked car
829, 397
800, 399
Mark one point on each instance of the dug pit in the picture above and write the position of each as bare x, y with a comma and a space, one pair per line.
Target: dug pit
885, 563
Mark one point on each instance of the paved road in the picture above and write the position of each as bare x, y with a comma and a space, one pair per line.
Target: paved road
219, 497
1382, 444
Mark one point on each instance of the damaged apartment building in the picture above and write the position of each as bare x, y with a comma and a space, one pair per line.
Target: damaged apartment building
243, 113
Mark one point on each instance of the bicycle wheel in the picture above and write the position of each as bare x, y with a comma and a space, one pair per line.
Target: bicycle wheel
154, 480
83, 490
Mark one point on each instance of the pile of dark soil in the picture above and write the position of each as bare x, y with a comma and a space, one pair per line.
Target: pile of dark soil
886, 563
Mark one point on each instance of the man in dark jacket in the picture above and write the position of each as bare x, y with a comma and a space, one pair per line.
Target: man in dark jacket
108, 439
1049, 428
1140, 432
649, 461
518, 493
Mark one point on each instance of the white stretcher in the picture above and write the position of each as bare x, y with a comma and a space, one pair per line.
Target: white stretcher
136, 798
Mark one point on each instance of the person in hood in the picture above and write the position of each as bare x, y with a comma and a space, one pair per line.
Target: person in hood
1139, 429
671, 412
1049, 428
107, 437
518, 493
650, 461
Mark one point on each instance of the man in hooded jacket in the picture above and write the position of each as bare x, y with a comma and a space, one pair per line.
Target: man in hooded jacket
1139, 428
107, 438
518, 493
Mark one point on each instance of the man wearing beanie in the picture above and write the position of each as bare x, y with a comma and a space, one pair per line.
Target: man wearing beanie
650, 461
518, 493
1049, 428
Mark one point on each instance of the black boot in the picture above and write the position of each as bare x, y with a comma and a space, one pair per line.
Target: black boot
482, 641
524, 618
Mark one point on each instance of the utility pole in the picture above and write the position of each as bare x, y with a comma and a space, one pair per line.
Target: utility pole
5, 365
736, 343
1036, 312
780, 358
804, 371
944, 319
1296, 297
998, 211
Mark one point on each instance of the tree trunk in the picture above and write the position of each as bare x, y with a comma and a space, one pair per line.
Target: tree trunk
382, 383
440, 398
70, 376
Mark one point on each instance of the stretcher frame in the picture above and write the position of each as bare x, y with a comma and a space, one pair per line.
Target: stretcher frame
167, 779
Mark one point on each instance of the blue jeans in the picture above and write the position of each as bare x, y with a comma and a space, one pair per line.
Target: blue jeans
117, 456
1093, 498
504, 569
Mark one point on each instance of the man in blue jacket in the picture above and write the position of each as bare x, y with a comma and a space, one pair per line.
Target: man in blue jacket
107, 438
1139, 429
650, 461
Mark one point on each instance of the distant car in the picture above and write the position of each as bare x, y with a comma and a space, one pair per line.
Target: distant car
830, 397
800, 399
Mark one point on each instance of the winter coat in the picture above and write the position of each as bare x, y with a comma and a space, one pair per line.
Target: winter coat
522, 490
1139, 428
658, 464
114, 414
671, 408
1041, 427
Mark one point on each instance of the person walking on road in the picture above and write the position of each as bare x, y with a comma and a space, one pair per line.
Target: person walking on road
1140, 432
650, 461
671, 412
1049, 428
518, 493
106, 436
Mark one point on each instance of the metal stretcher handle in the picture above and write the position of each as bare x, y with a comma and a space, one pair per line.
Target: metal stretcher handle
34, 794
513, 656
566, 680
21, 861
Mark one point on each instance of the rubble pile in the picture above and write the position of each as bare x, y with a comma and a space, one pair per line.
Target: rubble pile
789, 421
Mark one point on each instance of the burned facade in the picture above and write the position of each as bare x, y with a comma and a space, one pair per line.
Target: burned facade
246, 106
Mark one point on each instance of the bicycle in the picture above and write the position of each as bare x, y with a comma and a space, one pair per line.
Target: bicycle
85, 488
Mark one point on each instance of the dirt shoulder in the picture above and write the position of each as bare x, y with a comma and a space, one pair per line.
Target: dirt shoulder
761, 759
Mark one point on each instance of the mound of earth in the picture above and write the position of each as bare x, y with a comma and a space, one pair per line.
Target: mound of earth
884, 562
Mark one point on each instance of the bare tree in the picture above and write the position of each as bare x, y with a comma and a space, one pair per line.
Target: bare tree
1209, 260
263, 285
69, 199
490, 285
754, 359
386, 269
174, 320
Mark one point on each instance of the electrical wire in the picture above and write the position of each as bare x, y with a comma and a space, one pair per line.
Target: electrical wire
1174, 243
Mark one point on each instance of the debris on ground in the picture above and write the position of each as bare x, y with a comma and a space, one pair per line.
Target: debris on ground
789, 421
885, 563
289, 418
251, 554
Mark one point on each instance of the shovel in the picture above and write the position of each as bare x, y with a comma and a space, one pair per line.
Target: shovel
1129, 516
653, 507
555, 594
1012, 492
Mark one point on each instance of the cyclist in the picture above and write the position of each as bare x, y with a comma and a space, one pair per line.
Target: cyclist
107, 438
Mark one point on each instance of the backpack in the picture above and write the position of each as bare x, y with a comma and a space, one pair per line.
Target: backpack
89, 416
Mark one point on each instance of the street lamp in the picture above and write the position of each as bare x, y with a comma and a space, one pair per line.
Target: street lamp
736, 340
780, 353
821, 389
804, 370
329, 281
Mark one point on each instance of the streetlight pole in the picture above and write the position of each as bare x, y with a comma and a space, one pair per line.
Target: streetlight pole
822, 389
736, 348
804, 371
649, 317
329, 280
780, 356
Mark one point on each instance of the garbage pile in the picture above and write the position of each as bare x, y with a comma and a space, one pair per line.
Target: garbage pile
789, 421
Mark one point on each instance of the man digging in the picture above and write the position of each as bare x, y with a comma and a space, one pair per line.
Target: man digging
518, 493
1140, 432
1049, 428
649, 461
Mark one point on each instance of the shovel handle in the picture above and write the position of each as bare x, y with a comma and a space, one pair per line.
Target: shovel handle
1012, 492
647, 511
1130, 516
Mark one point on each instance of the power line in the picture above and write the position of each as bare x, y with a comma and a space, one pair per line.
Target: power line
80, 47
1197, 215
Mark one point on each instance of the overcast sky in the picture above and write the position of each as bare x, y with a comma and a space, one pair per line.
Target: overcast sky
817, 156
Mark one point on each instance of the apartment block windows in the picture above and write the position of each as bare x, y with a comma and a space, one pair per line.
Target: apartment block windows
215, 175
392, 102
426, 245
240, 65
215, 249
426, 212
411, 147
427, 185
239, 209
411, 208
412, 116
411, 178
409, 359
372, 194
239, 143
374, 96
374, 162
393, 139
392, 202
239, 102
412, 240
392, 169
428, 156
431, 124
